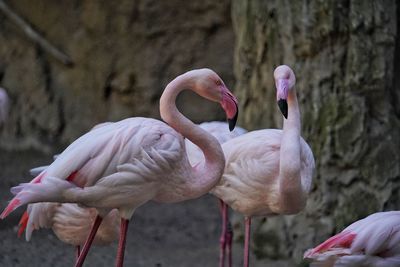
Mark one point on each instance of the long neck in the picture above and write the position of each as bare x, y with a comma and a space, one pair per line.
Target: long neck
207, 175
290, 162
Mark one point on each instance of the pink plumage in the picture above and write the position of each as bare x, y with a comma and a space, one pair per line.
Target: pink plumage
372, 241
70, 223
127, 163
269, 171
253, 184
219, 130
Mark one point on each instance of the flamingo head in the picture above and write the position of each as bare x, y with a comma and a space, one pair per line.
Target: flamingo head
284, 82
210, 86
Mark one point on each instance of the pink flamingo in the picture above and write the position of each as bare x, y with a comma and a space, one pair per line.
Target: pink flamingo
218, 130
70, 223
373, 241
127, 163
268, 171
4, 106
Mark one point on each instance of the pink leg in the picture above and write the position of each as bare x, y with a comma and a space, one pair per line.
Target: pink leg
246, 241
229, 238
222, 239
89, 241
122, 242
77, 252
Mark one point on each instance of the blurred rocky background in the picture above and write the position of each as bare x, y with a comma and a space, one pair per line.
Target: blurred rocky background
346, 56
345, 53
124, 53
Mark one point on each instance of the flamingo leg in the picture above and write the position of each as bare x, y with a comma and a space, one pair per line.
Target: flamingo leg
77, 252
122, 242
222, 239
247, 221
89, 241
229, 238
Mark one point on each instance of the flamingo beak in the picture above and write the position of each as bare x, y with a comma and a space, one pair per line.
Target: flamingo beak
232, 122
230, 104
283, 107
282, 86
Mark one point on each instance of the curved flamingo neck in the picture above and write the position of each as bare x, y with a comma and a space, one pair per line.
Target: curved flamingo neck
207, 176
290, 162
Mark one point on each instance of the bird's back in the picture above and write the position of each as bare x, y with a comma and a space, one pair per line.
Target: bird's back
99, 152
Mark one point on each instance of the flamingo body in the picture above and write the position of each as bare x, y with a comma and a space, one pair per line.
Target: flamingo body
371, 242
99, 168
250, 183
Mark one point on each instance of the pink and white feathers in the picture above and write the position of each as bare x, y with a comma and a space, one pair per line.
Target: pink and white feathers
69, 222
371, 242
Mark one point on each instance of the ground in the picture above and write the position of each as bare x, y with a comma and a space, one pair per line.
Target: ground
160, 235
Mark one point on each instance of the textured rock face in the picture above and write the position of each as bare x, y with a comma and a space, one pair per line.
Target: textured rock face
346, 58
125, 52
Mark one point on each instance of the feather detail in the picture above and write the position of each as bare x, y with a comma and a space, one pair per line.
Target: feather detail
343, 239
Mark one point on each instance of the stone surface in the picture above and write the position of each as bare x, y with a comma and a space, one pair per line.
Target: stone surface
125, 53
346, 58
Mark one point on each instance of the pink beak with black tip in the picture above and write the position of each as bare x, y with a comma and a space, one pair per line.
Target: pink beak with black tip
230, 104
282, 87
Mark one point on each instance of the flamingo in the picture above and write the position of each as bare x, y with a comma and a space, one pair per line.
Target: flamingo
371, 242
268, 171
4, 105
70, 223
125, 164
218, 130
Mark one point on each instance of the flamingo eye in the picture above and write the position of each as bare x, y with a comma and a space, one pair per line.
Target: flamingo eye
218, 82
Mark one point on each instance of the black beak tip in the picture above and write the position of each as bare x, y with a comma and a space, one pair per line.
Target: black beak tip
232, 122
283, 107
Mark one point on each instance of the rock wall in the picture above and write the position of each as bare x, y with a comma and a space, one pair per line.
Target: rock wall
346, 58
124, 53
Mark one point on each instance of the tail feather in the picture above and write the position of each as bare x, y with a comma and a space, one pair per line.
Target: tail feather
343, 239
16, 189
14, 204
23, 223
36, 171
47, 190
